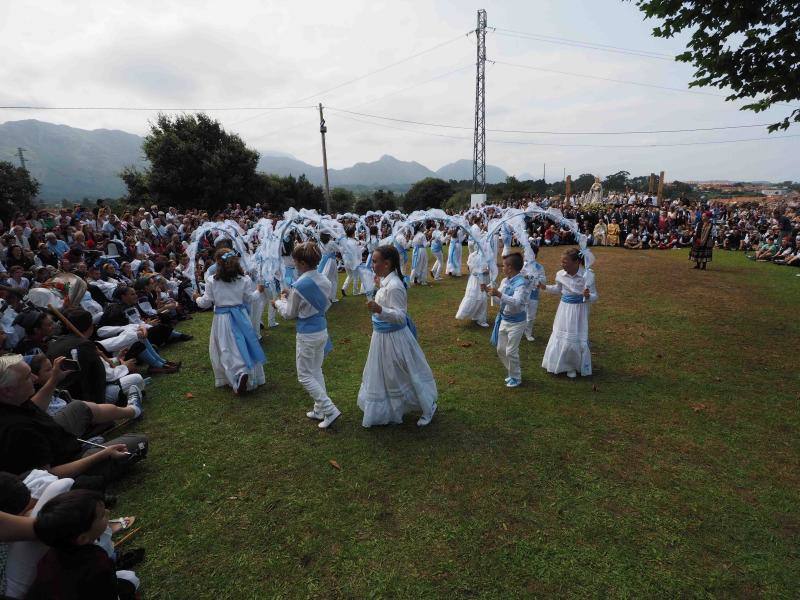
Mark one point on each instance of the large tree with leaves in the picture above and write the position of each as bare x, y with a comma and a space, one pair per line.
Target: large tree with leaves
17, 190
750, 46
194, 162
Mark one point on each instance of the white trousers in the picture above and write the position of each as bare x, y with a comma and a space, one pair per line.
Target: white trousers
124, 384
508, 340
533, 307
309, 354
351, 279
438, 265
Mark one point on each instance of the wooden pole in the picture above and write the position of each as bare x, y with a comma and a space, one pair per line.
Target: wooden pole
568, 188
661, 187
323, 129
64, 320
650, 184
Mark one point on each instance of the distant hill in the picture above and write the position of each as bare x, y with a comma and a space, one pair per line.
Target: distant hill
72, 163
461, 170
76, 163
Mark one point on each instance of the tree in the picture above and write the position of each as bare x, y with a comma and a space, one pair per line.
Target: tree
617, 182
385, 201
342, 200
17, 190
751, 47
363, 204
430, 192
458, 201
583, 183
195, 163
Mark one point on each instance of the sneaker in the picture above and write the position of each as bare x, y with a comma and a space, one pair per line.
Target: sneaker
317, 416
507, 379
241, 385
135, 401
483, 324
273, 325
512, 383
426, 419
572, 374
529, 337
330, 418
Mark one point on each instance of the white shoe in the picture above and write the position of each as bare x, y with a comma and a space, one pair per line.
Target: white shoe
426, 419
313, 414
330, 418
512, 383
273, 325
334, 301
530, 338
572, 374
484, 324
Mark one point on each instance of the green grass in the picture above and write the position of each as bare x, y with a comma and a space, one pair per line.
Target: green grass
674, 471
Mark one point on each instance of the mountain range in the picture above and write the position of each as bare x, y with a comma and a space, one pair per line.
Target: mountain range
76, 163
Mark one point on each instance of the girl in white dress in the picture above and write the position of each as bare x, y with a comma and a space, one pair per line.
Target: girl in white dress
308, 302
397, 378
437, 240
534, 272
328, 264
475, 301
236, 356
568, 348
419, 258
454, 254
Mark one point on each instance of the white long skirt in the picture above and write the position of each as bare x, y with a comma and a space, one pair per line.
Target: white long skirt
568, 346
226, 361
420, 274
454, 266
473, 305
333, 276
396, 379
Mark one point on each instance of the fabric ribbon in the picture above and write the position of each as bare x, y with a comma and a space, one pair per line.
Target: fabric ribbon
511, 286
416, 257
243, 334
309, 290
384, 327
325, 258
572, 298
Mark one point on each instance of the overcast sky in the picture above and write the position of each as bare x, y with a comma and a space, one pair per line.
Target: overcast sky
260, 54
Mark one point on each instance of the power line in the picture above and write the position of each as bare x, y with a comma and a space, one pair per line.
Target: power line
527, 143
369, 73
153, 109
426, 124
581, 44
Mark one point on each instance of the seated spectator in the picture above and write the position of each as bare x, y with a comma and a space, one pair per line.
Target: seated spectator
31, 439
632, 241
75, 567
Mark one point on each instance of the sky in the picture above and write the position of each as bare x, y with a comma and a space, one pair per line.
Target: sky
351, 55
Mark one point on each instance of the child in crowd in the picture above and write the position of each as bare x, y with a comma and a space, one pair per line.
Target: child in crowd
474, 304
454, 253
568, 348
307, 302
236, 356
509, 326
74, 567
419, 257
534, 271
397, 378
327, 265
437, 240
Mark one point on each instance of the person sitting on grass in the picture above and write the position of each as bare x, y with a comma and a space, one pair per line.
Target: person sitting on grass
75, 567
632, 241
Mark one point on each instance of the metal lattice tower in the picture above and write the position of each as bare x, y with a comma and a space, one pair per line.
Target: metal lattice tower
22, 158
479, 150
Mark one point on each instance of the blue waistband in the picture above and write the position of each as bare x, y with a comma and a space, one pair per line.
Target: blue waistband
384, 327
534, 294
572, 298
312, 324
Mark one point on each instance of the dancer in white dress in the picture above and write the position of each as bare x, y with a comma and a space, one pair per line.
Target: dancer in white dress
307, 302
327, 266
397, 378
437, 239
454, 254
509, 325
236, 356
568, 348
351, 258
474, 304
534, 272
419, 258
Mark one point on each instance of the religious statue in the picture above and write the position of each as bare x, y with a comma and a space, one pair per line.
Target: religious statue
596, 191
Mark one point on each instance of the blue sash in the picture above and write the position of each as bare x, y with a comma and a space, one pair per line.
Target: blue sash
403, 253
513, 284
243, 333
310, 291
384, 327
415, 257
436, 245
288, 274
325, 258
534, 294
452, 254
572, 298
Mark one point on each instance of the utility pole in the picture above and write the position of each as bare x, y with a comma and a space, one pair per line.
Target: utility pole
323, 129
544, 172
661, 187
479, 149
22, 158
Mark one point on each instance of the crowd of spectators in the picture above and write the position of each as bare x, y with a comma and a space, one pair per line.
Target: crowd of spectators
76, 361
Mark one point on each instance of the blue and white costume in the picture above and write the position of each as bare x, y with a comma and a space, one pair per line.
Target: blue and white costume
351, 257
308, 302
419, 259
568, 348
327, 267
510, 325
475, 302
454, 254
397, 378
437, 243
535, 274
233, 344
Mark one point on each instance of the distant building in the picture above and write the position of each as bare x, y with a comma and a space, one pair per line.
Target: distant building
774, 191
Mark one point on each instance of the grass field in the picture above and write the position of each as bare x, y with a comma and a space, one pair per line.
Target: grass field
673, 472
